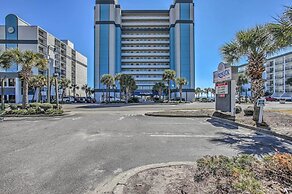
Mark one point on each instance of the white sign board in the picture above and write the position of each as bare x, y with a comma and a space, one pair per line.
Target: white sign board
224, 75
222, 88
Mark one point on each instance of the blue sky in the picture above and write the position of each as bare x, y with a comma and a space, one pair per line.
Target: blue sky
216, 22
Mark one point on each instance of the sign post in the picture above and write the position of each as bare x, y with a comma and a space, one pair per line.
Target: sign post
261, 103
225, 81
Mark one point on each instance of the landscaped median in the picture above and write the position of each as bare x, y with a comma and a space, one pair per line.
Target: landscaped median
210, 174
33, 109
276, 123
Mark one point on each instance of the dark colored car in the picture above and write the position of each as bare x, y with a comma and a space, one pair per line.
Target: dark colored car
271, 99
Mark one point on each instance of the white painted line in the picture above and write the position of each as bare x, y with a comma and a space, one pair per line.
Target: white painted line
185, 136
121, 118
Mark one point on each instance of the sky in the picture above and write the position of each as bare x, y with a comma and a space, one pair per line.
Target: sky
216, 22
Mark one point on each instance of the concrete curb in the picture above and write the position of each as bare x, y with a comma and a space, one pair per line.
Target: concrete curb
261, 130
153, 114
116, 185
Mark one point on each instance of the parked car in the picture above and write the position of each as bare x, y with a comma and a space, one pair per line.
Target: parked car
271, 99
69, 99
282, 101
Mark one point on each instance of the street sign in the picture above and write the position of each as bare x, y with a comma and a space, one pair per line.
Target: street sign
261, 102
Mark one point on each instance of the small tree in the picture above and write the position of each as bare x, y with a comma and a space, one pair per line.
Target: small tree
64, 84
118, 79
181, 82
128, 85
6, 60
198, 92
37, 82
85, 89
168, 76
159, 87
108, 81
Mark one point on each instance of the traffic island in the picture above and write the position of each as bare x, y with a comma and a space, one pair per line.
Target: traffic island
210, 174
199, 113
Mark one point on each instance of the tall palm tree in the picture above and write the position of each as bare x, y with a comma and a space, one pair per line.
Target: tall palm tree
85, 89
242, 80
118, 79
128, 85
180, 81
168, 76
74, 87
256, 45
37, 82
6, 60
108, 81
206, 91
198, 92
159, 87
64, 83
28, 60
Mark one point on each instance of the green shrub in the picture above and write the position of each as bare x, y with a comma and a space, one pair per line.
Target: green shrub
56, 107
46, 106
13, 106
54, 112
31, 111
238, 109
248, 111
35, 105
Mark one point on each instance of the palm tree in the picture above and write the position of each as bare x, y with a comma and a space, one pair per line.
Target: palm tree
256, 45
159, 87
198, 92
118, 79
64, 83
282, 30
108, 81
169, 75
242, 80
213, 91
28, 60
37, 82
85, 89
74, 87
180, 81
206, 91
128, 85
6, 60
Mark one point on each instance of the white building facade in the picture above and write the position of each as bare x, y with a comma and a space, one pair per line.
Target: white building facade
63, 58
144, 43
278, 71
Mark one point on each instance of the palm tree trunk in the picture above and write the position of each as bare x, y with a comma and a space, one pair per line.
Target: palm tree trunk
168, 90
180, 93
160, 94
40, 94
127, 95
2, 94
34, 93
25, 94
63, 93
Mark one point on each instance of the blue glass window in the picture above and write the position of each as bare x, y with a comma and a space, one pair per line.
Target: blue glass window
184, 11
185, 68
172, 49
104, 50
104, 12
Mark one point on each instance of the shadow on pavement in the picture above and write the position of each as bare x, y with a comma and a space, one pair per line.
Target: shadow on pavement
217, 123
254, 144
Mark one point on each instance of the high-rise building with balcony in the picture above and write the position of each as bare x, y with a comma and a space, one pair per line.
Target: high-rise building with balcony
278, 71
63, 58
144, 43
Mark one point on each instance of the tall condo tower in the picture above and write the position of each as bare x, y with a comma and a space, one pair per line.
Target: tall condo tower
144, 43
